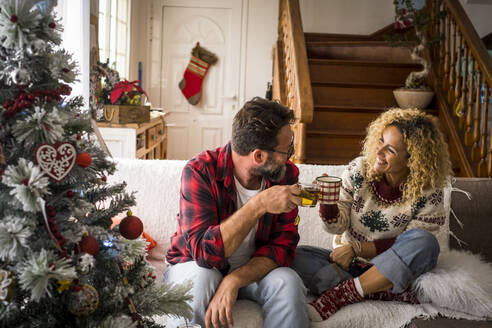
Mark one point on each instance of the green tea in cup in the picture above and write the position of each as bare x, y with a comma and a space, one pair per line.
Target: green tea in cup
309, 194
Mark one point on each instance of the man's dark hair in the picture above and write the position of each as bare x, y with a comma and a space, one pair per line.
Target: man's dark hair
257, 125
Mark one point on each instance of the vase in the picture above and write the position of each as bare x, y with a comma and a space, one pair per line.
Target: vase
413, 98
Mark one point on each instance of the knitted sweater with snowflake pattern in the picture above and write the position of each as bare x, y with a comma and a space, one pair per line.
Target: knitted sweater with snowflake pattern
368, 211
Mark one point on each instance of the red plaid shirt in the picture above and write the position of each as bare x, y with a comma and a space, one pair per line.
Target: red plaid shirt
208, 197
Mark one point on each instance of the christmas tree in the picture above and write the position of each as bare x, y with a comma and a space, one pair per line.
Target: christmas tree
60, 263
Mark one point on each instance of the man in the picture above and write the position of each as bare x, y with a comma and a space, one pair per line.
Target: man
236, 225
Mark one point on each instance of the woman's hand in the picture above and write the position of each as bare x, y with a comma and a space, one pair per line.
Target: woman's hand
342, 256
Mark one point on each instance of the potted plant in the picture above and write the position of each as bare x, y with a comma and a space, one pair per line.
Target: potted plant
415, 93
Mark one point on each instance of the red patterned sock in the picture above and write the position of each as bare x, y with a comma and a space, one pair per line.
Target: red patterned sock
191, 84
333, 300
408, 296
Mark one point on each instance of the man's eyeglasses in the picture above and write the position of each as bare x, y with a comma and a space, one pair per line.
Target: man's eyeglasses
289, 152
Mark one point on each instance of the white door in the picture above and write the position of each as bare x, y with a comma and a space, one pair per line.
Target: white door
217, 26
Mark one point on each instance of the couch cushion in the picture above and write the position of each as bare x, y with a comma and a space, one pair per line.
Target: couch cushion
246, 314
311, 228
475, 214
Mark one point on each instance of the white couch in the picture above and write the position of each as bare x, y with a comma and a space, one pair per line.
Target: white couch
157, 185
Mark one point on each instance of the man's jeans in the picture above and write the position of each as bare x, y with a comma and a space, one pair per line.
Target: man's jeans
281, 294
414, 252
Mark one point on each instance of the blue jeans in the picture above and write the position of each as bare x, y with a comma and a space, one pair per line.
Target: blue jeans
414, 252
280, 293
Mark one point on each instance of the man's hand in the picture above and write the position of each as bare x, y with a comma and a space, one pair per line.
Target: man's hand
219, 311
342, 256
280, 199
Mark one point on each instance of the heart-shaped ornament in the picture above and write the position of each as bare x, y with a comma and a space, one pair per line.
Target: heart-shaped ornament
56, 162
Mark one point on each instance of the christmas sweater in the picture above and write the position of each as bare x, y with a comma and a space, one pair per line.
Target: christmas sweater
365, 214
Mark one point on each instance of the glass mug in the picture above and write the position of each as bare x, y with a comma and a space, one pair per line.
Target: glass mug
309, 194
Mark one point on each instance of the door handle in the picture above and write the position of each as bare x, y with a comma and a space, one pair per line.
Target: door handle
233, 97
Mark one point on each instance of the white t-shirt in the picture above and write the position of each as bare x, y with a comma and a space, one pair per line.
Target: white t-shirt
243, 253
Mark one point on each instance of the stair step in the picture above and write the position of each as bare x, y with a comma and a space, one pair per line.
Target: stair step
335, 133
333, 145
328, 161
351, 122
323, 37
355, 94
358, 50
360, 62
357, 84
345, 108
347, 71
352, 119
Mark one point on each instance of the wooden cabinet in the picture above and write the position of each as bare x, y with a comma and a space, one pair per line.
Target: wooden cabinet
142, 140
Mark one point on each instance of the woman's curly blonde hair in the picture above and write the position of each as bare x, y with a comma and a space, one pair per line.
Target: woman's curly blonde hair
428, 162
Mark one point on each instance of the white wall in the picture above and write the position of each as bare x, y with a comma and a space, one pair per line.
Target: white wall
75, 16
261, 35
139, 37
480, 15
346, 16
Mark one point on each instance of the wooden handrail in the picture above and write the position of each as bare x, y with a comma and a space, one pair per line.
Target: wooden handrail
291, 81
462, 69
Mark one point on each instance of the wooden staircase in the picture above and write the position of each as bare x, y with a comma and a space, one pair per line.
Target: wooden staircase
352, 81
337, 84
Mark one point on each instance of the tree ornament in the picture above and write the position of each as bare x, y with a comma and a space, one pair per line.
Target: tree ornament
56, 162
20, 76
89, 245
39, 126
37, 271
70, 194
131, 227
6, 284
63, 67
83, 300
15, 232
28, 184
36, 47
85, 263
84, 159
200, 62
63, 285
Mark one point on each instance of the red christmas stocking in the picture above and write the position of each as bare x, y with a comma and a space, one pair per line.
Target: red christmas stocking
191, 84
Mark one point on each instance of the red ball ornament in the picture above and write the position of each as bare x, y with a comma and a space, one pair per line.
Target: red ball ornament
131, 227
84, 159
89, 245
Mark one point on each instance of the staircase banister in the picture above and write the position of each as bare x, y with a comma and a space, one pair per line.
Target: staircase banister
471, 36
304, 105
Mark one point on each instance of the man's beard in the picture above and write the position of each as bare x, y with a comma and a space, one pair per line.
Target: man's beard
271, 170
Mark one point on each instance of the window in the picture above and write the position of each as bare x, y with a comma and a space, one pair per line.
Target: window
74, 15
114, 32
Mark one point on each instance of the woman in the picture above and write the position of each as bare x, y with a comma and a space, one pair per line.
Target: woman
390, 207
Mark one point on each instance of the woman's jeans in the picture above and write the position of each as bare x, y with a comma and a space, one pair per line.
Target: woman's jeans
281, 294
414, 252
